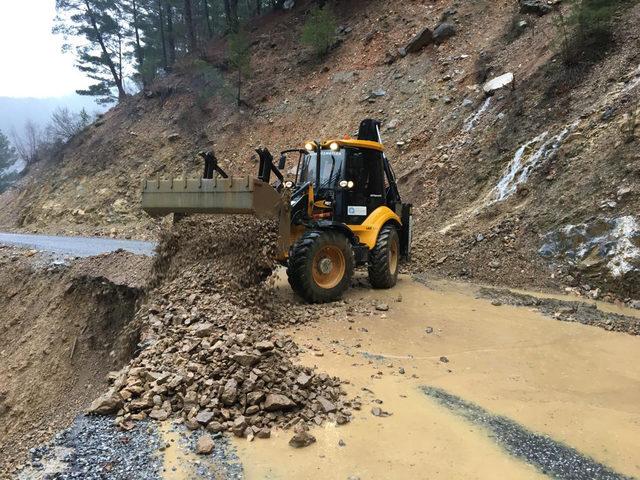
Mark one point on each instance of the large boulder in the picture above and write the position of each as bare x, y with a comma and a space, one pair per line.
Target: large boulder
421, 40
443, 31
497, 83
277, 401
108, 403
539, 7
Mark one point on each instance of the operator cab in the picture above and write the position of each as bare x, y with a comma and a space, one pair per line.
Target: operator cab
348, 179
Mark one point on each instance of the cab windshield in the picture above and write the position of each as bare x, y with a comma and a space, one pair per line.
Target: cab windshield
331, 168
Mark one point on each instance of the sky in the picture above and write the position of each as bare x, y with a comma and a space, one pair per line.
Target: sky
31, 59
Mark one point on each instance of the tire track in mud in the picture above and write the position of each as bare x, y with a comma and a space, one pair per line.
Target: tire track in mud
551, 457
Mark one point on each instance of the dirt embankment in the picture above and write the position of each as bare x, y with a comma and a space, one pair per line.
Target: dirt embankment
63, 328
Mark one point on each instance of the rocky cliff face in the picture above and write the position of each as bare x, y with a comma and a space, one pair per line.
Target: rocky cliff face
505, 153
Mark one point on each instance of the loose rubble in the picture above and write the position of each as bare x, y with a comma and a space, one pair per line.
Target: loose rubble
211, 352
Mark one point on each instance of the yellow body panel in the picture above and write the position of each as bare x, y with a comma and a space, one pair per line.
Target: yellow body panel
367, 233
370, 228
353, 143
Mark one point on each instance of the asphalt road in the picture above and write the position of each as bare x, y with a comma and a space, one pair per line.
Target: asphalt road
76, 246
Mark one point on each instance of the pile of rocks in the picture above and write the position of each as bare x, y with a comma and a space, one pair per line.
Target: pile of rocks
211, 351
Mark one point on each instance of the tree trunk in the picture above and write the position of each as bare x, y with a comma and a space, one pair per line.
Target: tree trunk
162, 39
207, 17
171, 36
188, 20
258, 7
239, 87
107, 56
139, 51
120, 57
231, 12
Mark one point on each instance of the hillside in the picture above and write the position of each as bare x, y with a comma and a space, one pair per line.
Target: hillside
536, 185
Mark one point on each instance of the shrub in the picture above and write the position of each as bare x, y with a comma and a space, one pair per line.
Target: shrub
209, 81
319, 30
587, 31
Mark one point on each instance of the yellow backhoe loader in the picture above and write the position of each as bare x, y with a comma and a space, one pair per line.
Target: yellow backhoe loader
342, 210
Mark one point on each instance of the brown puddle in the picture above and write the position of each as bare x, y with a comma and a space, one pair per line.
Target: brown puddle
177, 461
577, 384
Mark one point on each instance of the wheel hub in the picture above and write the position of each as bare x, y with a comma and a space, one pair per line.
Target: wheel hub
325, 266
329, 267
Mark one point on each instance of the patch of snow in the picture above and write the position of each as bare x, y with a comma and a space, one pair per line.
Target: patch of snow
473, 119
614, 244
518, 170
524, 162
624, 251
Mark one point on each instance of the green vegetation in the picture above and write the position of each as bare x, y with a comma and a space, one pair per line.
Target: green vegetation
239, 59
586, 32
209, 81
7, 153
319, 30
120, 42
7, 158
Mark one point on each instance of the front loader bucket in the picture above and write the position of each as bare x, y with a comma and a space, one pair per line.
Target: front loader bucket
214, 196
217, 196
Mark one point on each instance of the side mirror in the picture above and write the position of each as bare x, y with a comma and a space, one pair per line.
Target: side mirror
282, 162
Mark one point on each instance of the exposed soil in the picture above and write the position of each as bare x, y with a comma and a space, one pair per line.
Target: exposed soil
63, 330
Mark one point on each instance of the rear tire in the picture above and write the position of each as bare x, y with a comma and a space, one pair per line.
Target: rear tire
321, 265
384, 259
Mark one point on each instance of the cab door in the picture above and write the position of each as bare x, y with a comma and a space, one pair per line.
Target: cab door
365, 168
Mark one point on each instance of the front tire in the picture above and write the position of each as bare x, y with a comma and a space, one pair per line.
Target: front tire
321, 265
384, 259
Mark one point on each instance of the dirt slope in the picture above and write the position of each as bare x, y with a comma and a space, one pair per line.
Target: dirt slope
496, 182
63, 329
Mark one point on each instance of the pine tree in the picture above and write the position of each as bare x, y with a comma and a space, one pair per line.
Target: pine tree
101, 55
239, 60
7, 153
231, 14
319, 30
191, 32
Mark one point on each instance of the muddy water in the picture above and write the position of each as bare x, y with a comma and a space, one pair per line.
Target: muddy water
577, 384
177, 461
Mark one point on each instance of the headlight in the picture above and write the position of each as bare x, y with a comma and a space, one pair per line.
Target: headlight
343, 183
350, 184
310, 147
334, 146
288, 184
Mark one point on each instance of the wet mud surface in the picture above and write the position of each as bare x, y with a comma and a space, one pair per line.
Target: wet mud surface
550, 457
565, 395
